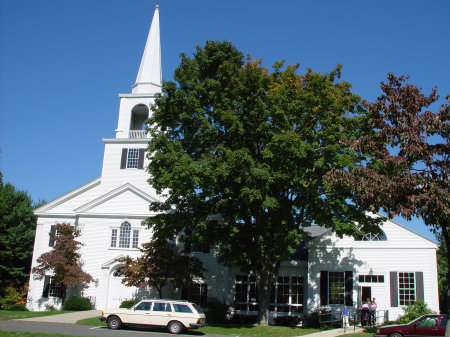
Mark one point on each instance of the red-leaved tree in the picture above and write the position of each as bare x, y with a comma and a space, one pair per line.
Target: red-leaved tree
408, 170
63, 261
160, 263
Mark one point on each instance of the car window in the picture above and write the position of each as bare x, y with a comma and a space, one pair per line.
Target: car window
160, 306
427, 322
181, 308
143, 306
196, 307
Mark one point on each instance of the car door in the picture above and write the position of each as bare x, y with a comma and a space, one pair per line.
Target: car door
161, 313
427, 326
140, 314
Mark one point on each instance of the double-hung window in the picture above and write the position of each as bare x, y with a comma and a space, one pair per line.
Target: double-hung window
336, 288
132, 159
406, 288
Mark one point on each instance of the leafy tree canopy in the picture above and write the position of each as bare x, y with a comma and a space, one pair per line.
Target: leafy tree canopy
408, 170
160, 263
240, 154
63, 260
17, 226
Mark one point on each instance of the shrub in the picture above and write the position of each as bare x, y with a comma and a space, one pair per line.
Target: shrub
243, 319
18, 307
10, 298
413, 311
287, 320
77, 303
216, 312
313, 319
128, 304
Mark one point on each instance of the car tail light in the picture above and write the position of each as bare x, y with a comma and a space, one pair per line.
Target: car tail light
198, 321
103, 314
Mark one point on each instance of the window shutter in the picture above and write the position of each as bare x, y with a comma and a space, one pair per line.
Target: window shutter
123, 161
184, 294
419, 286
51, 239
141, 159
46, 286
204, 293
349, 288
323, 288
394, 289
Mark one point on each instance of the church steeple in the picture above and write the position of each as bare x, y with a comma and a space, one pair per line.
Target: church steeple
135, 107
149, 76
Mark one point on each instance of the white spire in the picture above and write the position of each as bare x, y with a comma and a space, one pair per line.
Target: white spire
149, 77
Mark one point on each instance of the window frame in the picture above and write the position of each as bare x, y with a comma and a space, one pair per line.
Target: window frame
406, 288
118, 236
336, 287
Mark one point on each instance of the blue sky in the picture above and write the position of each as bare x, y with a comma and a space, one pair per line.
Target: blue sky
63, 62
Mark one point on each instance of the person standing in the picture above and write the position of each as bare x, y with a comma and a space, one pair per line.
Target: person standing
373, 311
344, 314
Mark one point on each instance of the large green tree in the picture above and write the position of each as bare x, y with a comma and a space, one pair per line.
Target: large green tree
240, 153
17, 226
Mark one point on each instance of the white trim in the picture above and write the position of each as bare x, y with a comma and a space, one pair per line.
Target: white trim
125, 140
108, 196
60, 200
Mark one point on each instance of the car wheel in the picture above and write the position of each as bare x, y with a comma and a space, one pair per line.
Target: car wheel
395, 334
175, 327
114, 322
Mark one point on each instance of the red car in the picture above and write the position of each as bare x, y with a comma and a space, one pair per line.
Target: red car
426, 325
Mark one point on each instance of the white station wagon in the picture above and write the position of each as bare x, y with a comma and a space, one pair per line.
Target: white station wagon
175, 315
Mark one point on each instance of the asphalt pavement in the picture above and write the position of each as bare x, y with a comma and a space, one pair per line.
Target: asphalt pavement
66, 324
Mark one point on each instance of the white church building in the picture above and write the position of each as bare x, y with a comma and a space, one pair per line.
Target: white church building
395, 267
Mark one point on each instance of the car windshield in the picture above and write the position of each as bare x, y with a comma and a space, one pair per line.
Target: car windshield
196, 307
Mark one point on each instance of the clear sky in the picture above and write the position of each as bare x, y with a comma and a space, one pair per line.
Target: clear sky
63, 62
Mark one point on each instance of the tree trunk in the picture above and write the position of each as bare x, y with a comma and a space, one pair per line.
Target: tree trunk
264, 287
446, 236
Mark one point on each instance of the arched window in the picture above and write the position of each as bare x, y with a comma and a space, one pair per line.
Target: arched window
117, 271
125, 233
380, 236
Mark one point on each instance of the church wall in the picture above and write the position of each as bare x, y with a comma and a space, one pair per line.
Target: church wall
373, 260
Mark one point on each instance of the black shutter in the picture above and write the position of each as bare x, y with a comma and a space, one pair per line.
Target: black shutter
46, 286
204, 294
394, 289
184, 294
323, 288
123, 161
51, 239
419, 286
349, 288
141, 159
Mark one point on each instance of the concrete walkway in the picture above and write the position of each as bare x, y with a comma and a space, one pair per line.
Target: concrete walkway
71, 317
336, 332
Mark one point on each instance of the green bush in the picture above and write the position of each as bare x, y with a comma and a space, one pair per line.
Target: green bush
216, 312
76, 303
413, 311
18, 307
127, 304
10, 298
287, 320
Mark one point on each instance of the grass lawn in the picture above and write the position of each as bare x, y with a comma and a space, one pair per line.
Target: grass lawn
232, 329
6, 314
